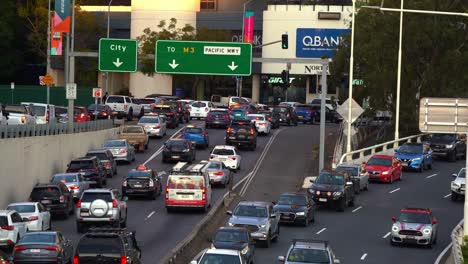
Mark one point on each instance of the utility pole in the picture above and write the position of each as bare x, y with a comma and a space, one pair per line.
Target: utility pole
70, 67
48, 52
323, 116
108, 33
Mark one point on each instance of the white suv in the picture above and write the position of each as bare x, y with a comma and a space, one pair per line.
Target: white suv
229, 155
200, 109
124, 106
12, 228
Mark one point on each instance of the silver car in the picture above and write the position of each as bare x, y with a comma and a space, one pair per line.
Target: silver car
121, 149
309, 251
75, 183
458, 185
101, 206
416, 226
359, 176
218, 172
154, 125
259, 218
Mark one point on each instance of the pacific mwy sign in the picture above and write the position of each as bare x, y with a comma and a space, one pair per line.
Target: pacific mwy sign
212, 50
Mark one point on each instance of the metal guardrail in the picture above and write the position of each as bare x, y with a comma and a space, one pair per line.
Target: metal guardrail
20, 131
381, 147
457, 242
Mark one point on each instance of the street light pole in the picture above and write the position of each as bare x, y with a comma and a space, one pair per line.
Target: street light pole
48, 40
108, 31
350, 85
397, 112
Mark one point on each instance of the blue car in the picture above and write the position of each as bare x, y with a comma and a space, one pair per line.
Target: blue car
307, 114
416, 156
197, 135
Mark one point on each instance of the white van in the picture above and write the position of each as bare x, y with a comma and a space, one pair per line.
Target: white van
45, 113
188, 187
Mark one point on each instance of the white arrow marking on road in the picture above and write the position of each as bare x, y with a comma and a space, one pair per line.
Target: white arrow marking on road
321, 230
117, 63
386, 235
364, 256
233, 66
448, 195
173, 64
397, 189
355, 210
430, 176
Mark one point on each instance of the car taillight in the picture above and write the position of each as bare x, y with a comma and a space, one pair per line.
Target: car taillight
125, 107
170, 114
309, 111
189, 107
47, 117
252, 131
9, 228
247, 112
225, 116
123, 260
78, 204
123, 151
157, 127
212, 156
229, 130
76, 260
23, 119
124, 183
261, 123
209, 116
62, 199
204, 193
82, 115
103, 113
74, 187
114, 203
151, 183
180, 109
167, 192
33, 218
269, 118
108, 165
94, 169
51, 248
219, 173
19, 248
203, 135
232, 157
206, 109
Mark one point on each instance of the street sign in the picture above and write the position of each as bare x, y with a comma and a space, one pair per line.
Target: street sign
70, 91
118, 55
12, 85
355, 113
200, 57
48, 80
443, 115
345, 130
97, 92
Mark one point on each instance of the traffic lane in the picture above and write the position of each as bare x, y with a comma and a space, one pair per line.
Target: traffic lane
359, 233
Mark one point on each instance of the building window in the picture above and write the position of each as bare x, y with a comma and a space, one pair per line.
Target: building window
208, 4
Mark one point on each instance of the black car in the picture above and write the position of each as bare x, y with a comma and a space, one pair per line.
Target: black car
91, 168
168, 113
180, 110
330, 115
286, 114
235, 238
55, 197
142, 181
178, 149
333, 188
101, 111
43, 247
107, 160
272, 117
107, 245
450, 146
242, 133
295, 208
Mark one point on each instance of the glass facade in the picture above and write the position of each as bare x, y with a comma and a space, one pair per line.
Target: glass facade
207, 5
272, 91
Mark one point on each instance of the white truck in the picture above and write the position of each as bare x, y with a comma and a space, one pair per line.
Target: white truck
125, 106
20, 115
225, 102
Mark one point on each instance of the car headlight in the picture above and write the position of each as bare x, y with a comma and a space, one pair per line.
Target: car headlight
300, 213
230, 224
262, 226
455, 185
245, 250
385, 172
317, 192
427, 231
186, 150
448, 146
336, 193
395, 229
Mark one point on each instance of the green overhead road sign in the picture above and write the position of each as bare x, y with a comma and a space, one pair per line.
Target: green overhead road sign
118, 55
200, 57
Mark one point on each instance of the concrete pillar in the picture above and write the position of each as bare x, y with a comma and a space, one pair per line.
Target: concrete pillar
256, 88
309, 96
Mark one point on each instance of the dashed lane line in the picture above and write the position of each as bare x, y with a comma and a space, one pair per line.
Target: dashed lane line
321, 230
448, 195
396, 190
355, 210
430, 176
386, 235
363, 257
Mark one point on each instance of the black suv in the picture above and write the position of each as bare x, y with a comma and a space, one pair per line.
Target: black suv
450, 146
242, 133
55, 197
178, 149
182, 112
142, 181
334, 188
107, 245
287, 115
168, 113
91, 168
295, 208
272, 117
107, 160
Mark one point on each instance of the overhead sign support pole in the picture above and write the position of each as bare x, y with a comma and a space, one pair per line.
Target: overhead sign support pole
323, 115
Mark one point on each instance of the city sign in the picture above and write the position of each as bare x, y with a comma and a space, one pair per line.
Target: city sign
443, 115
318, 42
118, 55
200, 57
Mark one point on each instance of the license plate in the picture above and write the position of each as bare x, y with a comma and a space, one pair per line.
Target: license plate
138, 185
237, 114
241, 137
301, 116
410, 237
35, 250
232, 137
84, 214
185, 196
322, 199
46, 201
176, 157
404, 164
197, 114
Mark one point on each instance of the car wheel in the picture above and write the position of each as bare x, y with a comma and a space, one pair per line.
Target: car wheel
391, 179
392, 243
367, 185
341, 205
276, 238
130, 115
124, 223
313, 217
421, 168
453, 156
351, 203
454, 196
153, 195
142, 113
306, 222
429, 166
50, 224
268, 240
435, 240
79, 228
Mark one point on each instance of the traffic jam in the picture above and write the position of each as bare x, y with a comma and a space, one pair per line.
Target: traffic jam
101, 212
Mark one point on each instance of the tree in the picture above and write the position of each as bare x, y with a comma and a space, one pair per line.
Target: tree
9, 33
435, 50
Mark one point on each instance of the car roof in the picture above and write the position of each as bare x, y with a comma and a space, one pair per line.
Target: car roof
349, 165
224, 147
222, 252
382, 156
416, 210
219, 110
294, 194
98, 151
47, 185
66, 174
254, 203
414, 143
23, 203
84, 158
97, 190
310, 244
233, 228
5, 212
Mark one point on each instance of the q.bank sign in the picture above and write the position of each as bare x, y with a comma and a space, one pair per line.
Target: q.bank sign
318, 42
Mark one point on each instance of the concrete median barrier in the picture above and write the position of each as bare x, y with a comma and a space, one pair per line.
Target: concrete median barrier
27, 161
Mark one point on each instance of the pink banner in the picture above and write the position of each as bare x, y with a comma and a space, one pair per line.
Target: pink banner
249, 27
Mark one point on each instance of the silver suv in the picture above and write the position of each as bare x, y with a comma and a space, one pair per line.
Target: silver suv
101, 206
309, 251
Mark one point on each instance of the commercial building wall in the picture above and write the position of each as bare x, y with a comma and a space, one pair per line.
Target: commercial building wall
27, 161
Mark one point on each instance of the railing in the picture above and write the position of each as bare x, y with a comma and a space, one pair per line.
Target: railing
19, 131
457, 242
339, 145
381, 147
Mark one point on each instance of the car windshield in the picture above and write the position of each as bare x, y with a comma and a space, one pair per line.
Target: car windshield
408, 217
38, 238
139, 174
251, 211
308, 255
64, 178
380, 162
280, 110
353, 170
95, 107
44, 192
292, 200
23, 208
254, 117
115, 99
444, 137
223, 152
81, 164
303, 107
231, 236
193, 130
39, 110
101, 156
149, 120
186, 182
219, 259
92, 196
115, 144
327, 178
133, 130
199, 104
461, 174
60, 111
214, 166
411, 149
100, 245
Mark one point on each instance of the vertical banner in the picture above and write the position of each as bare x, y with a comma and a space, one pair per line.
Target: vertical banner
248, 27
62, 16
55, 41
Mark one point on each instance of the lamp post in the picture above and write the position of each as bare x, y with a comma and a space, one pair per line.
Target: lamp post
108, 31
243, 32
350, 85
397, 112
48, 40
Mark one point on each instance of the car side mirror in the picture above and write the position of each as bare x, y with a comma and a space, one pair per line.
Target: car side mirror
210, 239
336, 261
312, 180
193, 262
364, 163
396, 150
454, 175
229, 212
281, 258
393, 219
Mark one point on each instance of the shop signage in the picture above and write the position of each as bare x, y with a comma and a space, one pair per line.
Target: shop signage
318, 42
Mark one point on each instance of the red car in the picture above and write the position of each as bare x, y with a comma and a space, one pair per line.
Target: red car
383, 168
81, 114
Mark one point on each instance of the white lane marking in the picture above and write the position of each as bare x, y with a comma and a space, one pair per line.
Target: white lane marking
448, 195
355, 210
430, 176
396, 190
159, 151
150, 215
442, 254
321, 230
162, 173
364, 256
386, 235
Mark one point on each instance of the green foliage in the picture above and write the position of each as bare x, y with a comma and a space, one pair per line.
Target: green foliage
434, 56
8, 35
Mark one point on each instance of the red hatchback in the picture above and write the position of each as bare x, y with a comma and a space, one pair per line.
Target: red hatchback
81, 114
383, 168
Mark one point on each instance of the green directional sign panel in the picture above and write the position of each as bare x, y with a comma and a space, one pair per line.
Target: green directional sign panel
199, 57
118, 55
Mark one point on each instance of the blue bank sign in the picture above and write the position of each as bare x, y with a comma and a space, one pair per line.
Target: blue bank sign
318, 42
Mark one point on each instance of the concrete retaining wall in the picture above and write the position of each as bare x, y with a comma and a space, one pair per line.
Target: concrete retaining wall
27, 161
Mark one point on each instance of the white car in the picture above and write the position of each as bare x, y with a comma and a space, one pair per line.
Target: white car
154, 125
213, 255
12, 228
228, 155
261, 123
200, 109
45, 113
37, 215
458, 185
